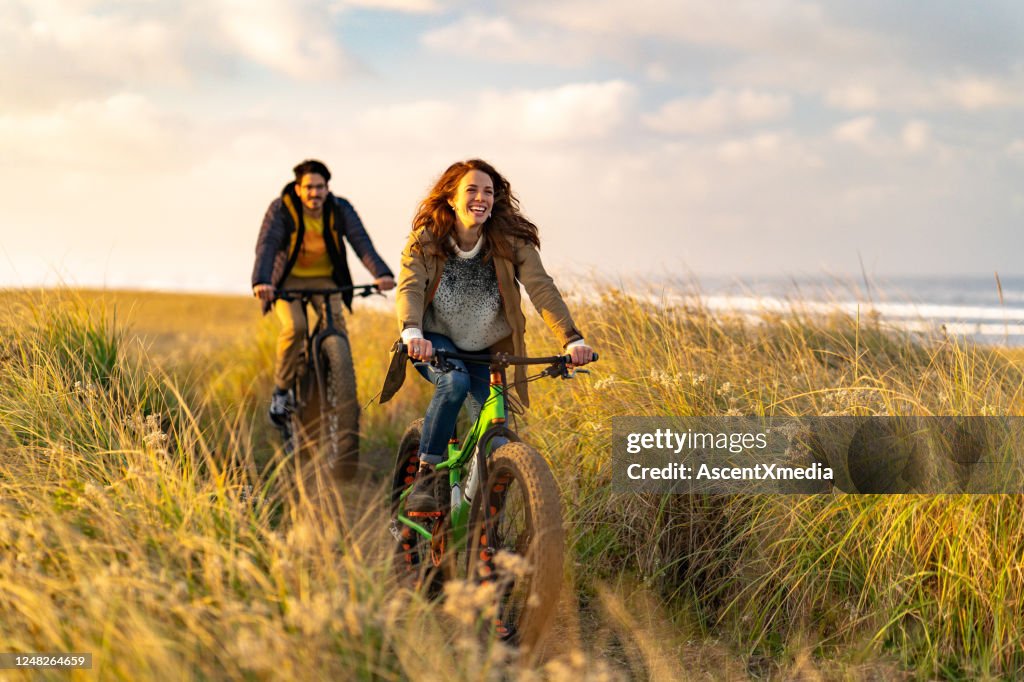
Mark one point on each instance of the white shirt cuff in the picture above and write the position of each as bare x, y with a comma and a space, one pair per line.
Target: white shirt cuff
410, 333
575, 344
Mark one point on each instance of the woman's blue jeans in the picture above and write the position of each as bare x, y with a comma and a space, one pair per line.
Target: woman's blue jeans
470, 380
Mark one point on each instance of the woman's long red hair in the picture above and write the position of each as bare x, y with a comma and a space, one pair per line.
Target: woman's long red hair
505, 224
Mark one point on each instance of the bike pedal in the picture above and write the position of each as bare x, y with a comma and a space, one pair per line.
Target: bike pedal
423, 515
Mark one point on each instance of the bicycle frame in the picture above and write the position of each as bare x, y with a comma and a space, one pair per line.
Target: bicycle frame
316, 335
487, 433
488, 428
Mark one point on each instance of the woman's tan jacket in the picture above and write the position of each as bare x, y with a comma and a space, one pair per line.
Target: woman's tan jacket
422, 266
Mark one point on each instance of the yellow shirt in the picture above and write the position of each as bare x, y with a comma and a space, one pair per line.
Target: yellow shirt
313, 260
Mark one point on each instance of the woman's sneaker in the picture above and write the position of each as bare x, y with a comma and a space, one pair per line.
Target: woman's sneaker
422, 499
280, 407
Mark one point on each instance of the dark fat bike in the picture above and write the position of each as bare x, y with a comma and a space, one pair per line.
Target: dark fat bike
325, 413
500, 518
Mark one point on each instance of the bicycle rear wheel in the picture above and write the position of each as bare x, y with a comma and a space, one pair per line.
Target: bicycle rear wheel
522, 544
339, 415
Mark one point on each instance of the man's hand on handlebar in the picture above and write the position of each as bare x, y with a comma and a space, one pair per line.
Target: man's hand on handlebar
420, 349
264, 292
385, 283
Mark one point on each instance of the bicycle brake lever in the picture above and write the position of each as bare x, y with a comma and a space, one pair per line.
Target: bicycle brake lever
555, 370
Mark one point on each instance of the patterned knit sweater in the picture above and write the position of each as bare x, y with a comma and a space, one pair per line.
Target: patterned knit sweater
467, 305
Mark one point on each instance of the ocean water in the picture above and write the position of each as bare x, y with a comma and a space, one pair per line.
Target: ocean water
965, 306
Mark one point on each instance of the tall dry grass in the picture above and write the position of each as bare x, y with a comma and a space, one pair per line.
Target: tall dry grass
930, 584
143, 521
147, 516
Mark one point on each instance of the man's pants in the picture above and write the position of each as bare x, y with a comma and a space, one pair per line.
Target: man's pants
293, 326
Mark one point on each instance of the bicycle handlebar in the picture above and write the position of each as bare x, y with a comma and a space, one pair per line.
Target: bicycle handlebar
361, 290
501, 359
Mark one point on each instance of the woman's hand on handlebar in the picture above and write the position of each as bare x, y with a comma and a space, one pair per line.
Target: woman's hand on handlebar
264, 292
581, 355
420, 349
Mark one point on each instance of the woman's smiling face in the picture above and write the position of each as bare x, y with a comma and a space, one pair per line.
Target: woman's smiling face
474, 198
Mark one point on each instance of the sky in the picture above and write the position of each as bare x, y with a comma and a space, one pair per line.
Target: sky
141, 141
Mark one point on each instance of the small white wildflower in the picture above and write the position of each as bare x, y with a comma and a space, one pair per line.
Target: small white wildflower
154, 439
467, 601
511, 563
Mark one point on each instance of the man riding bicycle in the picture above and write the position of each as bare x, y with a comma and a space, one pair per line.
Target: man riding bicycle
300, 246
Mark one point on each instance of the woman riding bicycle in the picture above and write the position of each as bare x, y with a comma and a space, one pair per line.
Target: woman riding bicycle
469, 250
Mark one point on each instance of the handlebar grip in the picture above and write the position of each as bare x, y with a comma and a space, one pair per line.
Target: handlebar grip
593, 357
403, 348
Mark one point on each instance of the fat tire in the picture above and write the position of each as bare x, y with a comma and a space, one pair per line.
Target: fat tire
339, 416
518, 475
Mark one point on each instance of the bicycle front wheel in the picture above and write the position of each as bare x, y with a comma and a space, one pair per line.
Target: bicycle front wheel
522, 544
418, 563
339, 414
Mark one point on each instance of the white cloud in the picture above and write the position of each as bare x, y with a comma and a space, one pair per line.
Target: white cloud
867, 196
852, 59
765, 146
853, 97
973, 93
657, 72
774, 151
495, 35
502, 39
747, 25
123, 131
916, 135
896, 88
62, 51
577, 111
579, 153
857, 131
571, 113
293, 38
721, 110
56, 52
411, 6
424, 120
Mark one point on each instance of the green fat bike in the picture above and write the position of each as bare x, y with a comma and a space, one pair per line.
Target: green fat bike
500, 518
